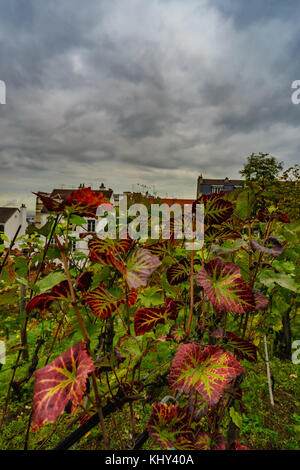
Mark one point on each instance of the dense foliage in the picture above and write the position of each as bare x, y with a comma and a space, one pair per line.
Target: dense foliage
96, 327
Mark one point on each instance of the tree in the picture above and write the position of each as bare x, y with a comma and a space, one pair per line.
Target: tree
261, 167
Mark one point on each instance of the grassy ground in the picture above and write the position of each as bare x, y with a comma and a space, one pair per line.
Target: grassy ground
262, 427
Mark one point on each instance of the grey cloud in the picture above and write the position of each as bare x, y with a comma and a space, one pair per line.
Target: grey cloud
154, 92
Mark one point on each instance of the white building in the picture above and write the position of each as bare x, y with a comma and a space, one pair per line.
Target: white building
42, 214
11, 218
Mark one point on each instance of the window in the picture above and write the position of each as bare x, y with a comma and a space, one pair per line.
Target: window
73, 245
217, 189
91, 225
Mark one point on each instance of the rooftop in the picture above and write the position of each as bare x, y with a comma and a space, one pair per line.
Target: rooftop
62, 194
221, 181
6, 213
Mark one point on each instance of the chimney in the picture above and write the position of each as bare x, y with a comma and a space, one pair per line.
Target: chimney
199, 182
23, 221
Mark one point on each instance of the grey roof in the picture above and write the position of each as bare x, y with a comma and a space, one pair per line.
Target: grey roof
6, 213
221, 181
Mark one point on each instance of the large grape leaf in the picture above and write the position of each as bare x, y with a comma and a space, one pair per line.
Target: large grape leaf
44, 301
101, 301
139, 267
108, 251
82, 202
216, 208
145, 319
61, 383
167, 425
207, 371
214, 233
242, 348
225, 288
160, 248
178, 272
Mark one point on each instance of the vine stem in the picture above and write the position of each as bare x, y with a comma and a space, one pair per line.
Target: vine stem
23, 332
56, 335
252, 279
127, 308
86, 339
268, 371
188, 330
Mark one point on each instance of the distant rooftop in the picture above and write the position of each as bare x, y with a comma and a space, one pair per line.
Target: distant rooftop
63, 194
223, 181
6, 213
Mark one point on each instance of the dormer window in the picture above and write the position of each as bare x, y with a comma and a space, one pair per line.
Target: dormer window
217, 188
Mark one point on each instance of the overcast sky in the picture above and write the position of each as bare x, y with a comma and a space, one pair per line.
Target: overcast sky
153, 92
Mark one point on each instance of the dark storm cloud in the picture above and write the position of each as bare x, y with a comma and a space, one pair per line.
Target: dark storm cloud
257, 11
129, 91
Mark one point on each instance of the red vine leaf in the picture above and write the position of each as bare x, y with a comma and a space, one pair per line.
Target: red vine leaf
207, 441
60, 383
281, 217
261, 302
145, 319
237, 446
84, 281
178, 334
139, 267
225, 288
82, 202
131, 297
108, 251
160, 248
44, 301
207, 371
101, 301
178, 272
167, 425
242, 348
172, 307
216, 209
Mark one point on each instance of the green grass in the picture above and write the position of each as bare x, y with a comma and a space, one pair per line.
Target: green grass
263, 427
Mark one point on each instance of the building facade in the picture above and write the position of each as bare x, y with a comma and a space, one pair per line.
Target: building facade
210, 186
11, 218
